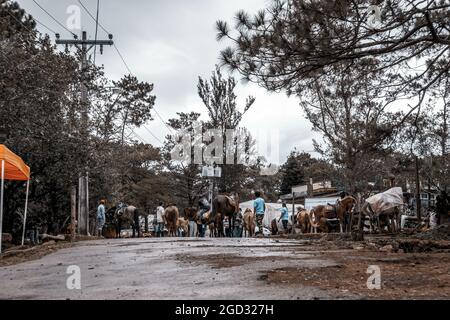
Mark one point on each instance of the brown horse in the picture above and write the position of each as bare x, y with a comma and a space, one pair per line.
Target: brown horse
249, 222
171, 216
227, 206
303, 221
212, 230
320, 215
183, 225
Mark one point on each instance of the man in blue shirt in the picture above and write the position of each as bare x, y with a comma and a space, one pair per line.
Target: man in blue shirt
259, 207
284, 216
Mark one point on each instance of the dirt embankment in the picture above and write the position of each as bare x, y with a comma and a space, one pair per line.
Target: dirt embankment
17, 254
412, 266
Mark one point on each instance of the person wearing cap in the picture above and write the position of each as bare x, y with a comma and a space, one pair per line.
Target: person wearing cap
101, 218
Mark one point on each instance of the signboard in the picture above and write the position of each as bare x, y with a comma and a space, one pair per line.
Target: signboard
211, 172
208, 171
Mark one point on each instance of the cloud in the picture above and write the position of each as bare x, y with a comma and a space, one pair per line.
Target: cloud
170, 44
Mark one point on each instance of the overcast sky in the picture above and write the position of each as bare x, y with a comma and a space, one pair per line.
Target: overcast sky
170, 43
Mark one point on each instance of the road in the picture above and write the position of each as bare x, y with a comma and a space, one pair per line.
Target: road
169, 268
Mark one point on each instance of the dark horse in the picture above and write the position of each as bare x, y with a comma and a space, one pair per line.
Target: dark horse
127, 214
227, 206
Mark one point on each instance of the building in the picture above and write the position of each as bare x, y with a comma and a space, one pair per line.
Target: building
318, 189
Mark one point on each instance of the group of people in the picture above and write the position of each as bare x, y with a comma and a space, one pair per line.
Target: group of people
231, 227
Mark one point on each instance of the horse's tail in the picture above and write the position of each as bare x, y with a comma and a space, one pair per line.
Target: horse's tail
214, 207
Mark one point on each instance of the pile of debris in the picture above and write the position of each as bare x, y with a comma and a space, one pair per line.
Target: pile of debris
442, 232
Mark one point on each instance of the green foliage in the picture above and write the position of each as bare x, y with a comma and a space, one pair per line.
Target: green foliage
41, 111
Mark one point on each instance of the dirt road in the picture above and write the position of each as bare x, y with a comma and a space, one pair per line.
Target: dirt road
219, 269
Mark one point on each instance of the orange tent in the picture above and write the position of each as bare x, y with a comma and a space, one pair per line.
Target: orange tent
12, 167
15, 168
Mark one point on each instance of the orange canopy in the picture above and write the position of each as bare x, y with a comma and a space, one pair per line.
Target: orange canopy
15, 168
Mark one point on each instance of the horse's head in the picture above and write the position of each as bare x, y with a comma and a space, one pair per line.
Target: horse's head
248, 212
120, 210
345, 206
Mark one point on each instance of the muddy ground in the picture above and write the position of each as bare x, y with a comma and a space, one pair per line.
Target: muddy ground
307, 267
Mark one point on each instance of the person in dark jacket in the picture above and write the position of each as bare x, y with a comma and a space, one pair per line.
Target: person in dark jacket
204, 207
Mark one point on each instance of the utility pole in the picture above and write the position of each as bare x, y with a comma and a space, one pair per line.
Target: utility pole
84, 46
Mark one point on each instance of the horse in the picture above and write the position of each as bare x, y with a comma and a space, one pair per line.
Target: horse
320, 215
388, 218
303, 221
183, 227
218, 224
249, 222
212, 230
171, 216
127, 214
227, 206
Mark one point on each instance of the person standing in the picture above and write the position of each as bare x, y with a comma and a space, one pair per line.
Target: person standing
238, 222
204, 207
226, 226
284, 217
160, 220
101, 218
192, 224
259, 207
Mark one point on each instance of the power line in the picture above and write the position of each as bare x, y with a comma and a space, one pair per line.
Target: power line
107, 32
162, 120
35, 19
92, 16
153, 135
96, 30
30, 30
46, 27
54, 19
21, 22
123, 60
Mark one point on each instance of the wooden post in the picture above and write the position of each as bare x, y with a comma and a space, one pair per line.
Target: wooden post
359, 236
83, 214
73, 212
293, 213
146, 223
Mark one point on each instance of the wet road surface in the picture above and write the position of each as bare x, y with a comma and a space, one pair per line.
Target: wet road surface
169, 268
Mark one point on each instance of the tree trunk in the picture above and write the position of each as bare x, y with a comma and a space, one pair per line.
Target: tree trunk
73, 212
